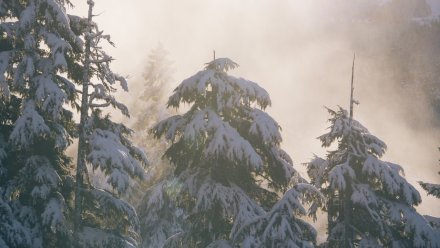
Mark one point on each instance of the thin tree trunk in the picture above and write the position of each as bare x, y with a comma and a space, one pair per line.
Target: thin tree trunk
348, 232
348, 236
81, 159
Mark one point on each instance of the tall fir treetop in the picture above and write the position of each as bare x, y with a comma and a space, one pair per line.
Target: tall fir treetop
363, 146
342, 130
223, 115
228, 91
380, 199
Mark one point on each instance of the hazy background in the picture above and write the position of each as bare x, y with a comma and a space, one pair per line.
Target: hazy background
301, 53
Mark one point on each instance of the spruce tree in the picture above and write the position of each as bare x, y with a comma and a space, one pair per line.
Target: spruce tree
431, 188
36, 125
148, 108
102, 219
41, 62
19, 225
149, 105
366, 195
228, 170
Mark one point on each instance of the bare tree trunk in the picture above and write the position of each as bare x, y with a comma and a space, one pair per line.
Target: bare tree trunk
348, 236
81, 159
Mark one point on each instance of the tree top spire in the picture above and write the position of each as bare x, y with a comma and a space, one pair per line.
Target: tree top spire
352, 100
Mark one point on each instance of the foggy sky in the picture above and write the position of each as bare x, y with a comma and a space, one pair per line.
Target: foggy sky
298, 53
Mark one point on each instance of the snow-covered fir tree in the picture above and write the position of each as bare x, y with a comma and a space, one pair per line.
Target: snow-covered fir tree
102, 219
370, 203
431, 188
36, 127
19, 226
228, 169
148, 107
41, 60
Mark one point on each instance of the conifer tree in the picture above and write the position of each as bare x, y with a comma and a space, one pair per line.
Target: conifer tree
431, 188
370, 204
36, 126
366, 195
228, 170
19, 226
148, 108
149, 105
102, 219
41, 60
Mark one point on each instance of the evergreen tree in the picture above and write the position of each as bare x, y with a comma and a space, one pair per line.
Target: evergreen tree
229, 169
19, 226
102, 219
148, 107
41, 60
431, 188
36, 127
366, 196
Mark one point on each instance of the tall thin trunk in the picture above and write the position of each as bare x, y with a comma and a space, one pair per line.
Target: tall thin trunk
352, 90
348, 232
81, 159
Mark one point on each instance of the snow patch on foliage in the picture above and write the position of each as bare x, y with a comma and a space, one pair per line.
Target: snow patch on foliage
29, 126
108, 153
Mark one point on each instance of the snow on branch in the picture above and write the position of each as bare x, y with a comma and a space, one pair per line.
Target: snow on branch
232, 200
361, 141
160, 216
431, 188
27, 16
14, 232
392, 182
59, 12
58, 48
221, 64
317, 170
229, 91
49, 95
45, 177
222, 140
415, 225
108, 204
265, 127
114, 158
226, 141
53, 215
29, 126
282, 226
339, 173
